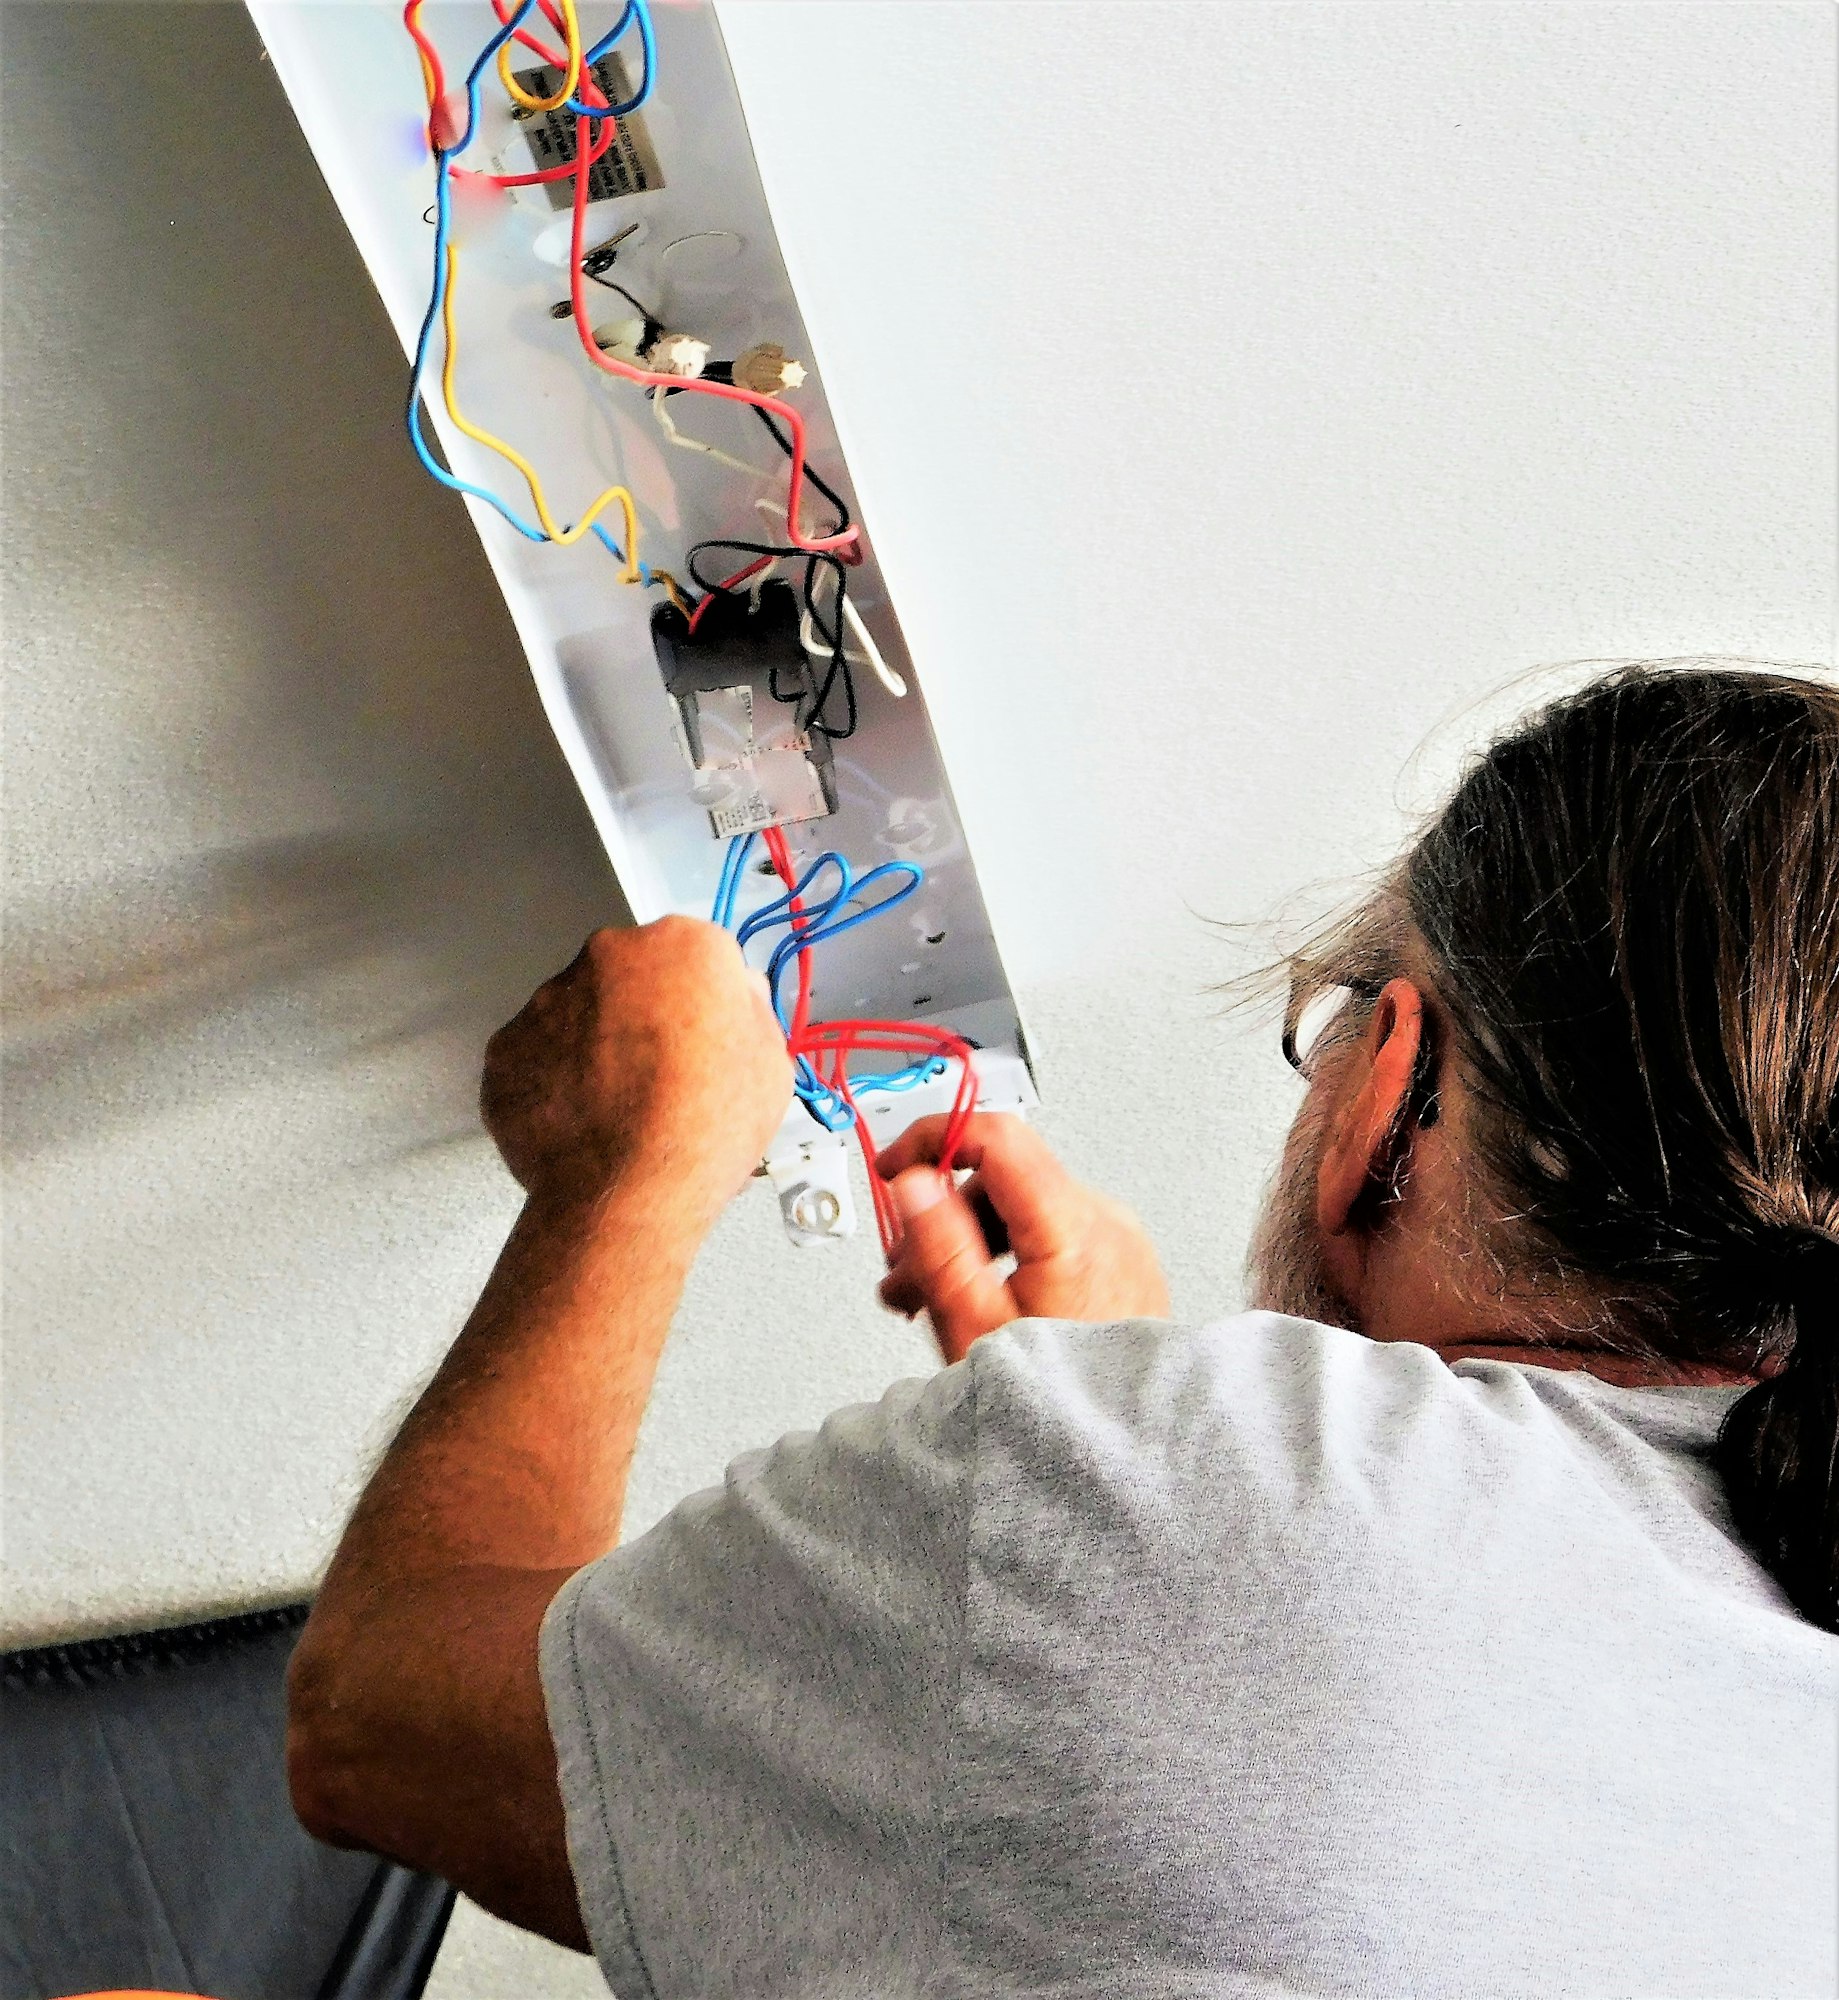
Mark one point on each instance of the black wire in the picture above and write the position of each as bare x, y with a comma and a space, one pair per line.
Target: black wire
839, 662
702, 583
843, 521
832, 637
612, 285
817, 693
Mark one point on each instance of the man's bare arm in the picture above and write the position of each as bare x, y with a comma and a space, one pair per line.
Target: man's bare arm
631, 1097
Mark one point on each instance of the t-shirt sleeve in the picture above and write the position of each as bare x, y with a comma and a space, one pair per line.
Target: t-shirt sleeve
751, 1708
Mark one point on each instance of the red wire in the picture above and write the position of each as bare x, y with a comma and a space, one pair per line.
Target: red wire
504, 9
828, 1045
728, 583
437, 77
887, 1217
588, 90
603, 142
844, 545
788, 874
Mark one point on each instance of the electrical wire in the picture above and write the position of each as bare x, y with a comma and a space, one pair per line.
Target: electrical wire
814, 699
638, 305
582, 106
843, 517
673, 591
678, 438
828, 899
712, 591
823, 644
847, 541
571, 37
440, 308
509, 15
562, 537
511, 19
821, 1051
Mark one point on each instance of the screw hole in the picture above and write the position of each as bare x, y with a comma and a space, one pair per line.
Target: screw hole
764, 868
922, 1000
935, 937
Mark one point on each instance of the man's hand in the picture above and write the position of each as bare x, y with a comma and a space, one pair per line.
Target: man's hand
1078, 1254
655, 1056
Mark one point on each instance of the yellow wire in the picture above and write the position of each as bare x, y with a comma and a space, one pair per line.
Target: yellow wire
571, 30
671, 590
427, 68
561, 537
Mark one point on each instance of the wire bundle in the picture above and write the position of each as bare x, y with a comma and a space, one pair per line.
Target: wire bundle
447, 143
827, 899
595, 127
821, 1050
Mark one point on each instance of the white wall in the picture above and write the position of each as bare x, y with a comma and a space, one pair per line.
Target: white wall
1247, 390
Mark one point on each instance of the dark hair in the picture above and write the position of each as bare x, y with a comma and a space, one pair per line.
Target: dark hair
1631, 906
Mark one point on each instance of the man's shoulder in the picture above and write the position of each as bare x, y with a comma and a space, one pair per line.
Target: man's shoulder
1262, 1411
1162, 1377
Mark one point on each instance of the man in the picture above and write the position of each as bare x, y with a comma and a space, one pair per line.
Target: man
1460, 1622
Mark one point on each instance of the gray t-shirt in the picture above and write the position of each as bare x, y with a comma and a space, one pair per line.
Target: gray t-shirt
1258, 1659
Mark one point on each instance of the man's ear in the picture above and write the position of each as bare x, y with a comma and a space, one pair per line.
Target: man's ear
1365, 1126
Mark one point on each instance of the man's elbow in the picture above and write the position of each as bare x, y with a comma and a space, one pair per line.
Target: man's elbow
325, 1742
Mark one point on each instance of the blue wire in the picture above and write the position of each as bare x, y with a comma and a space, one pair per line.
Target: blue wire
733, 867
823, 917
611, 36
634, 9
779, 910
443, 224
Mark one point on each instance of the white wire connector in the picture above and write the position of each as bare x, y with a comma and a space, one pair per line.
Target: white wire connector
768, 370
660, 408
679, 354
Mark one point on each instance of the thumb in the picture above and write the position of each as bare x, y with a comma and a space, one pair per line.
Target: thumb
943, 1263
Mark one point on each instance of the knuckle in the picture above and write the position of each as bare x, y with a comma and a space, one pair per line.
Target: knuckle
956, 1271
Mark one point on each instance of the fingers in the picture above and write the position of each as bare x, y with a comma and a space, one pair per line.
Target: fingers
1038, 1201
943, 1264
919, 1143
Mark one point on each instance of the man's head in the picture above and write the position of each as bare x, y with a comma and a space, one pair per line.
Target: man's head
1583, 1085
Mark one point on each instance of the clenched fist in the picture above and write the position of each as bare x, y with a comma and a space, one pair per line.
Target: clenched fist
1078, 1254
655, 1056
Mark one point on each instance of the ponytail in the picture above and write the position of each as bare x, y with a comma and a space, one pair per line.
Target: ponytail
1778, 1450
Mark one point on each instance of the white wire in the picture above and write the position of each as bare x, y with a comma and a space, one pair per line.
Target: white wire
683, 443
885, 674
870, 655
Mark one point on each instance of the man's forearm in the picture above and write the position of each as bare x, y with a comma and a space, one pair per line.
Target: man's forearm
516, 1454
416, 1722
